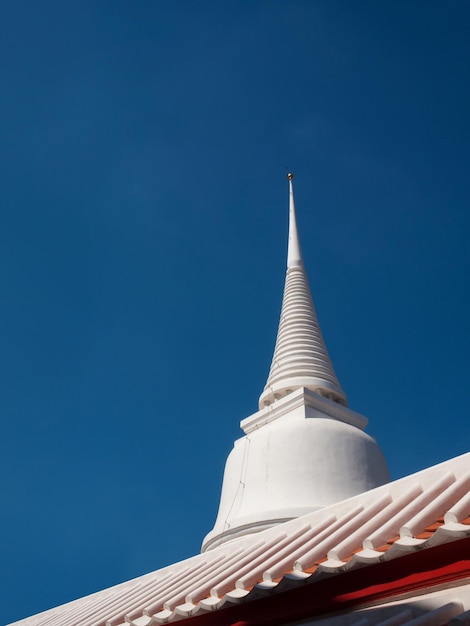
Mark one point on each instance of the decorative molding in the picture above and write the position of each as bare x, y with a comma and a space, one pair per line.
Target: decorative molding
303, 398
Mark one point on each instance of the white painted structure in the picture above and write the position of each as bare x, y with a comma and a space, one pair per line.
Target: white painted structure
304, 449
395, 554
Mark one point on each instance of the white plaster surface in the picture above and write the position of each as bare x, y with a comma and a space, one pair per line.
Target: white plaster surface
291, 467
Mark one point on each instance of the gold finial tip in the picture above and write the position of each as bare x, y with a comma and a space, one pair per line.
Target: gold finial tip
290, 176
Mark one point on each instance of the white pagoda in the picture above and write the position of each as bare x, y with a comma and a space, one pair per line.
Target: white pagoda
304, 449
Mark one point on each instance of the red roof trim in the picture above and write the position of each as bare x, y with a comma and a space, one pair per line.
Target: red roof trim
442, 564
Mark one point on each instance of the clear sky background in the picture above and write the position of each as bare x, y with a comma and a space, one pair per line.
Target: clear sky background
143, 229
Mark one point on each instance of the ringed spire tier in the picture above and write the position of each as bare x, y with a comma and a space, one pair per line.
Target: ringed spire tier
300, 355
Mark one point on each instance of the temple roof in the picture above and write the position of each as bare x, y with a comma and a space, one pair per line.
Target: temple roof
418, 513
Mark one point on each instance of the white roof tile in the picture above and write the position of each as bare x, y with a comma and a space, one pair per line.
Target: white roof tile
336, 539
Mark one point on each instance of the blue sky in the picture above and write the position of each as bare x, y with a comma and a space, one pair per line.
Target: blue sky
143, 153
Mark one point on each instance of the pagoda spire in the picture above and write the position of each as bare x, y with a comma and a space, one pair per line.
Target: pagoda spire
300, 356
294, 251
